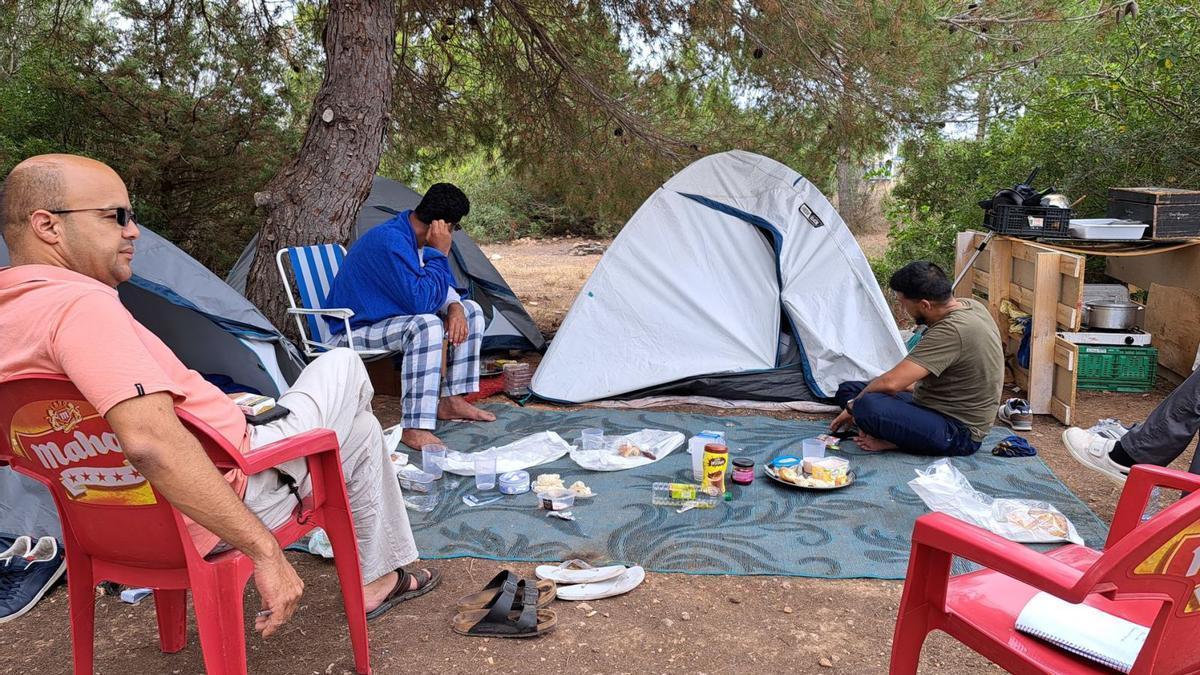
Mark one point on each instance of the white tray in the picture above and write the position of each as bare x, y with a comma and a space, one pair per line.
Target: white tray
1106, 228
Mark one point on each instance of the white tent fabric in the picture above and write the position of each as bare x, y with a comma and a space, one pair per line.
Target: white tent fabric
703, 278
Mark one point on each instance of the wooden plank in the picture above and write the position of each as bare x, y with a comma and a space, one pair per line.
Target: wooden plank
1173, 318
1042, 331
1066, 317
964, 245
1024, 297
1179, 268
1062, 400
979, 282
1072, 296
999, 255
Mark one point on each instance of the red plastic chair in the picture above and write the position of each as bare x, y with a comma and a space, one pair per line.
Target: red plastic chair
1147, 574
117, 527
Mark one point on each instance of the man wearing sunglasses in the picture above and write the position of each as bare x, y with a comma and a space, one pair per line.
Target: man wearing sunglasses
397, 279
71, 235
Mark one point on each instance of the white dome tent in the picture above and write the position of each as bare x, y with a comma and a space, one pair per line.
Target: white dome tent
735, 279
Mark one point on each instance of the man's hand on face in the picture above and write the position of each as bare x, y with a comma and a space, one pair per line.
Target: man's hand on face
439, 236
280, 588
456, 324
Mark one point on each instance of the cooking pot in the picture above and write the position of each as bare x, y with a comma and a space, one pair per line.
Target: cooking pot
1113, 315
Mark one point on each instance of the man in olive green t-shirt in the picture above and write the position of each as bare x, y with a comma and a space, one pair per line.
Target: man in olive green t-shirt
955, 375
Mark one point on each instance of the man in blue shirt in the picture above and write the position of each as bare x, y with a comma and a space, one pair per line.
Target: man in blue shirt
397, 279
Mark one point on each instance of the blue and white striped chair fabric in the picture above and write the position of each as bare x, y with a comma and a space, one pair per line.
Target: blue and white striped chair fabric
314, 268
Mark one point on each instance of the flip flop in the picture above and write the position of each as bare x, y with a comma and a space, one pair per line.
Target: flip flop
502, 581
628, 581
577, 572
500, 620
426, 580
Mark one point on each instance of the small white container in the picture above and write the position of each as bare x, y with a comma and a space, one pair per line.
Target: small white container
696, 449
1106, 228
813, 448
514, 483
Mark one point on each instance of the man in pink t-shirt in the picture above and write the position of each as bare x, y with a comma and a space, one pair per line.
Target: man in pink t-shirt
71, 232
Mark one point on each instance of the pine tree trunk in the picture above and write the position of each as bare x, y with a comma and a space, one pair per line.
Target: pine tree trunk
315, 198
848, 202
983, 110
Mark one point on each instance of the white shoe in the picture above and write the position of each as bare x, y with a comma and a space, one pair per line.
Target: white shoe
1091, 450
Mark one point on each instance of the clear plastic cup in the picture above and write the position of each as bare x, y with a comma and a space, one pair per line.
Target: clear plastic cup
591, 439
485, 471
813, 448
433, 457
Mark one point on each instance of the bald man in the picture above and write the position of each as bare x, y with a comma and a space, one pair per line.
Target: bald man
71, 234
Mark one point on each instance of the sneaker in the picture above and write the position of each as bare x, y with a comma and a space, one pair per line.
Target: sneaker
1015, 412
24, 580
1091, 450
19, 548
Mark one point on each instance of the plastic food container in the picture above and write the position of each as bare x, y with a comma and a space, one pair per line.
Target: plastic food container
1106, 228
514, 482
557, 499
419, 490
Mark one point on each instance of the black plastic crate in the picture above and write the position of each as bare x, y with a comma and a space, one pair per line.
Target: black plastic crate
1029, 221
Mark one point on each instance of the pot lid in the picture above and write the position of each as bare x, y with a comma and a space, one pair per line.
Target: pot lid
1115, 304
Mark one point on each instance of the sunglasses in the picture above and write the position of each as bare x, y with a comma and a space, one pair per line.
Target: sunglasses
124, 216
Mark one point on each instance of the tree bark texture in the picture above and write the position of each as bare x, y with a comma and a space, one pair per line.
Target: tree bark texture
315, 198
849, 202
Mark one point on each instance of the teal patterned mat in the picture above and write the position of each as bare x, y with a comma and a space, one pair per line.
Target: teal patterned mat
859, 531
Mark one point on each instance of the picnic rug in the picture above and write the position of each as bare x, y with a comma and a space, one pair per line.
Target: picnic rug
859, 531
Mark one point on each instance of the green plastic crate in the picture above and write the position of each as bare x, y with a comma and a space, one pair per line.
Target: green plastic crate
1129, 369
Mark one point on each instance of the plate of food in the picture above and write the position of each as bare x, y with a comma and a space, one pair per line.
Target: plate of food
832, 475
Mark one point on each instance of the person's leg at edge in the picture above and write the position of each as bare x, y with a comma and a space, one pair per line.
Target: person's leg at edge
462, 371
334, 392
896, 423
1167, 431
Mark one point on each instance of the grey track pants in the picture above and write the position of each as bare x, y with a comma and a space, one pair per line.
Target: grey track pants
1169, 429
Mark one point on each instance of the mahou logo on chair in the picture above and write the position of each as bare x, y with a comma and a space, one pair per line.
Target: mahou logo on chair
71, 441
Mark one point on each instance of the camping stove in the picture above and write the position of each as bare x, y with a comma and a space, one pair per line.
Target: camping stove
1133, 337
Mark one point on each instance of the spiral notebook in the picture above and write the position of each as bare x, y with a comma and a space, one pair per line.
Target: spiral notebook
1083, 630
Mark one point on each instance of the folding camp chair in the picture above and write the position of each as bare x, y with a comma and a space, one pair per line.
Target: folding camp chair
314, 268
1148, 573
117, 527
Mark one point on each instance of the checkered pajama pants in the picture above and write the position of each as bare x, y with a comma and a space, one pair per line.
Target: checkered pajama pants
419, 338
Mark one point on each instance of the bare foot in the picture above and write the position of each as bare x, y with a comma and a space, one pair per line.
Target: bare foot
377, 591
872, 444
415, 438
457, 408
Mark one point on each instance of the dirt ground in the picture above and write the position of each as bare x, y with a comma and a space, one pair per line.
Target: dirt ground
673, 623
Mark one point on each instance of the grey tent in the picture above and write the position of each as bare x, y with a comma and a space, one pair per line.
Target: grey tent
209, 326
509, 326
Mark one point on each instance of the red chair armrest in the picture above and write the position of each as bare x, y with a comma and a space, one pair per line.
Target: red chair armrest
301, 445
1143, 478
949, 534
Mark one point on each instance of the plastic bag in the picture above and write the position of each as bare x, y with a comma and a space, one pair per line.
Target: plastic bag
943, 488
658, 442
533, 450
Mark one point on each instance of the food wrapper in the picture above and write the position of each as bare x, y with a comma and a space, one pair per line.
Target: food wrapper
943, 488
